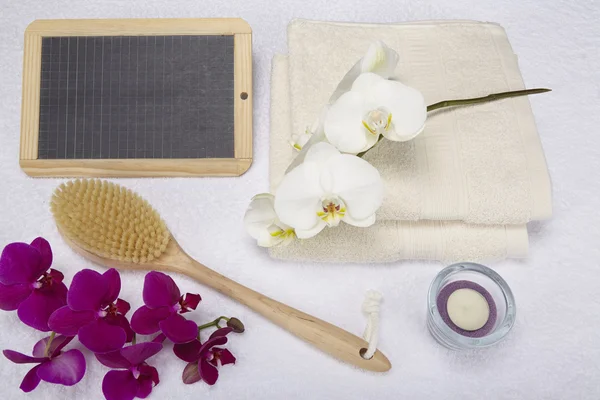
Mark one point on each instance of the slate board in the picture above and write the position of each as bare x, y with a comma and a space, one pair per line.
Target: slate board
143, 97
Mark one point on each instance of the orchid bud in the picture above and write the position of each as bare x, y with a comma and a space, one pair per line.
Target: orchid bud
236, 325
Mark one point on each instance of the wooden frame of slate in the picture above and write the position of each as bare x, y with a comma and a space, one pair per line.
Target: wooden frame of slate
209, 151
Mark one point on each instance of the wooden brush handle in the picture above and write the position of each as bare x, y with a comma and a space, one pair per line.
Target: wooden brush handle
327, 337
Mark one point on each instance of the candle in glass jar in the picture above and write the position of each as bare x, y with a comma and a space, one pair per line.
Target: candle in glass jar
467, 308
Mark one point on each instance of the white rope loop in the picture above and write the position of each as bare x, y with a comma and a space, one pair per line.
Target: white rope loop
370, 308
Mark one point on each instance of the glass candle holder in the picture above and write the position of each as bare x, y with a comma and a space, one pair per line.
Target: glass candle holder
469, 306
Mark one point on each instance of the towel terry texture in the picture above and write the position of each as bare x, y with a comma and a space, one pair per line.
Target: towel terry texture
465, 187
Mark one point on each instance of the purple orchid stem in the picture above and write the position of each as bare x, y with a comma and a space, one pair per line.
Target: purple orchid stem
49, 343
234, 323
214, 322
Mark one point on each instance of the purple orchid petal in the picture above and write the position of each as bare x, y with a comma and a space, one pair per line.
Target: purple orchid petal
19, 263
150, 372
119, 385
145, 320
61, 344
225, 356
31, 380
191, 300
191, 374
178, 329
119, 320
102, 337
221, 332
113, 283
56, 275
144, 388
66, 369
39, 348
58, 290
114, 359
36, 310
68, 322
58, 343
206, 346
160, 290
189, 352
208, 372
20, 358
122, 306
43, 247
88, 290
13, 295
138, 353
159, 338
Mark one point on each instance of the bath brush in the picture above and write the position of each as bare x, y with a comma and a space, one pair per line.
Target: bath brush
114, 227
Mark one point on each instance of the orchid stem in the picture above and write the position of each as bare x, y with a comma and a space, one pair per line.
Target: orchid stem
485, 99
133, 341
49, 343
212, 323
473, 100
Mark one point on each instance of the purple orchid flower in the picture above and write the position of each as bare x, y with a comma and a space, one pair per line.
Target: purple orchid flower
204, 358
94, 313
137, 379
54, 366
163, 308
27, 286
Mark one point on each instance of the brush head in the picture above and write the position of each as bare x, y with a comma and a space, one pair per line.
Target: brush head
109, 221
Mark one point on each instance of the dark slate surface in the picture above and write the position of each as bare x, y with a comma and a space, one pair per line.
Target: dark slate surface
136, 97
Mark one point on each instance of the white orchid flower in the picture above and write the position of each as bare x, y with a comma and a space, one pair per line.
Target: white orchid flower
299, 140
262, 223
379, 59
328, 187
375, 106
312, 135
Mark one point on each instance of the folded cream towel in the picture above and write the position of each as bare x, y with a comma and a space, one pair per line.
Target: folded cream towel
480, 164
386, 240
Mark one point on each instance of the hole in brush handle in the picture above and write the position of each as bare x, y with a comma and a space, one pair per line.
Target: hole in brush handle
362, 353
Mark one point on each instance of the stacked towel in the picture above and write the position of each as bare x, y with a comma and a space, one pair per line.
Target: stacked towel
465, 187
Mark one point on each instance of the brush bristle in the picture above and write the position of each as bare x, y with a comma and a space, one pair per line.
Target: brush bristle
109, 220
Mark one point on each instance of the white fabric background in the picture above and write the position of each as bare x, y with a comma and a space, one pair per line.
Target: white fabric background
554, 349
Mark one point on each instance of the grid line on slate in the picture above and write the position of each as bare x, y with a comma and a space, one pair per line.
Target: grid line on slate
136, 97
